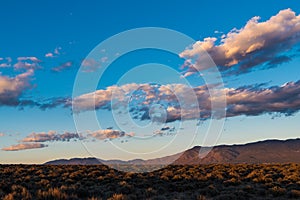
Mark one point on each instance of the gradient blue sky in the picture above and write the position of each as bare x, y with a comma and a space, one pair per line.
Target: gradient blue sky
69, 30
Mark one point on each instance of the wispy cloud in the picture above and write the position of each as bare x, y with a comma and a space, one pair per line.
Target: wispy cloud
5, 62
90, 65
53, 103
108, 134
49, 55
38, 140
24, 146
56, 52
26, 63
165, 131
62, 67
241, 50
50, 137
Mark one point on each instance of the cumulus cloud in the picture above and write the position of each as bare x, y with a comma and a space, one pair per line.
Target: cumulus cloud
64, 66
51, 136
247, 100
101, 99
256, 44
253, 101
12, 88
176, 100
27, 63
108, 134
24, 146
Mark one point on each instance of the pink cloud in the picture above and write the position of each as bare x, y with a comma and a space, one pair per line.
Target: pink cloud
24, 146
64, 66
11, 88
28, 63
90, 65
240, 50
49, 55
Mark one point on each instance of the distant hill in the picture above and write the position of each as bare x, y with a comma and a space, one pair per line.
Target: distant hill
75, 161
269, 151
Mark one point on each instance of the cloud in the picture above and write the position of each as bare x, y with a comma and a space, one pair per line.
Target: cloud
64, 66
27, 63
5, 62
50, 137
262, 44
49, 55
104, 59
165, 131
90, 65
101, 99
248, 100
57, 50
36, 140
252, 101
24, 146
53, 103
53, 54
29, 58
177, 101
109, 134
12, 88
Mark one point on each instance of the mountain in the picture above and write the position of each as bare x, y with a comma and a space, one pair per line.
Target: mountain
75, 161
269, 151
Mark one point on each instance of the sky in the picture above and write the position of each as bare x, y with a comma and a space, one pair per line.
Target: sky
131, 79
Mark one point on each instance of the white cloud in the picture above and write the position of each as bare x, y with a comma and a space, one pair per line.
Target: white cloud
255, 44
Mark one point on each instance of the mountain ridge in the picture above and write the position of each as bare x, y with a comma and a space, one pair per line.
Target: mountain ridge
254, 152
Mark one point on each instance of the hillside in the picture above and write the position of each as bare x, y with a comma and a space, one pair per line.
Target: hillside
269, 151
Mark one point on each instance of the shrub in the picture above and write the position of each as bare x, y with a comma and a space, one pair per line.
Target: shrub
117, 197
52, 193
278, 191
295, 194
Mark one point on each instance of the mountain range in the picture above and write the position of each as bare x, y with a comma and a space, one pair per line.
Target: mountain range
268, 151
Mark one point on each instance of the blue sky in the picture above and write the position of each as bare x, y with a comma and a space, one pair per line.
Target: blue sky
44, 43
